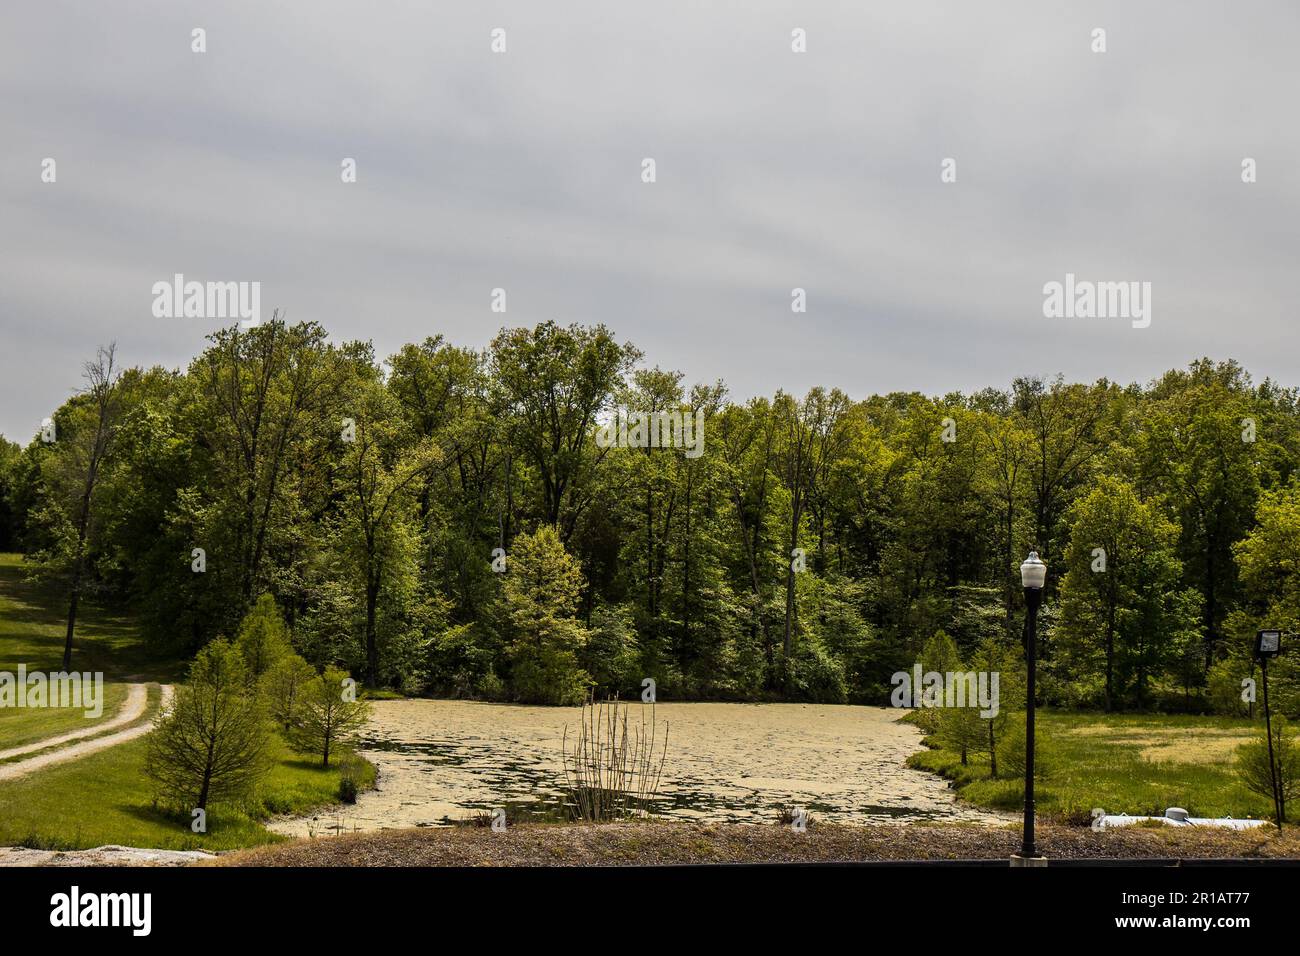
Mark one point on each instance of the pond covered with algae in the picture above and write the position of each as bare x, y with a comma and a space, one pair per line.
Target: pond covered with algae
445, 760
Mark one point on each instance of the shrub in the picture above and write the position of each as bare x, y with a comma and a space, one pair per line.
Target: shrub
1253, 765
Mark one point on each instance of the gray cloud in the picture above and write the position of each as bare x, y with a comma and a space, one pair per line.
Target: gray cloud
776, 170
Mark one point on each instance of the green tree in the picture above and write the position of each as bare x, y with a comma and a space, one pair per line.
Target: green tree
10, 507
211, 743
1120, 600
540, 597
610, 655
1253, 765
378, 475
263, 637
283, 685
1270, 581
554, 382
327, 715
939, 656
72, 472
259, 412
1197, 449
1007, 661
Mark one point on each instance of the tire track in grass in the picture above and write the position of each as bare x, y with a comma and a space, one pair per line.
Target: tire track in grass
21, 768
137, 698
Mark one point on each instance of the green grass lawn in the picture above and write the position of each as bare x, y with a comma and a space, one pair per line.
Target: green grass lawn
33, 622
32, 627
28, 725
105, 798
1139, 764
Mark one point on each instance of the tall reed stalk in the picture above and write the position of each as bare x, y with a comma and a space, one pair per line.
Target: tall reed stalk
613, 772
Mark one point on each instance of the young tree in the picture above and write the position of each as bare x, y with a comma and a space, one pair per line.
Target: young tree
1007, 661
939, 656
283, 685
263, 637
211, 744
539, 603
1253, 764
963, 729
327, 715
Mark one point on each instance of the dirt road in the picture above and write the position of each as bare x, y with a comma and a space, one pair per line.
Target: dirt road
132, 710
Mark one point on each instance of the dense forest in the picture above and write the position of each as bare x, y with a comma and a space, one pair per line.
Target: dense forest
446, 521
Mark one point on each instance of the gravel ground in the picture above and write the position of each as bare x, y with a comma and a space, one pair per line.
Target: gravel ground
649, 843
99, 856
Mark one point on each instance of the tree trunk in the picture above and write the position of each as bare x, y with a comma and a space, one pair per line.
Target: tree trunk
78, 565
686, 571
72, 614
372, 643
1110, 656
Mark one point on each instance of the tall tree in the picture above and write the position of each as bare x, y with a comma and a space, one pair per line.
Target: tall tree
376, 478
73, 470
554, 382
1120, 595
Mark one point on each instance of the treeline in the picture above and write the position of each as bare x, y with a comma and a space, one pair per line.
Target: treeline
446, 522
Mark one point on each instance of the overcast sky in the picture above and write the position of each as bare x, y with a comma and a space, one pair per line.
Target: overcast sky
775, 170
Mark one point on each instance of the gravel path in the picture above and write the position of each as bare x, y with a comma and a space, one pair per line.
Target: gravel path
131, 712
137, 696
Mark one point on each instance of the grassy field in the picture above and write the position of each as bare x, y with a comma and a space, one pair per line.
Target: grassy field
105, 797
1139, 764
32, 627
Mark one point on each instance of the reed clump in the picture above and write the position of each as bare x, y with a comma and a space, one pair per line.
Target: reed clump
615, 766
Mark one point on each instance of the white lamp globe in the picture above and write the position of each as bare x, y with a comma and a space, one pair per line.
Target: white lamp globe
1033, 573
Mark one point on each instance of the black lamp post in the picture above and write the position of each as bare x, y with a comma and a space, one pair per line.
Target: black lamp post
1269, 644
1033, 573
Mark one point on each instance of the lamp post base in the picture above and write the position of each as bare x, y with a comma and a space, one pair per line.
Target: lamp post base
1018, 860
